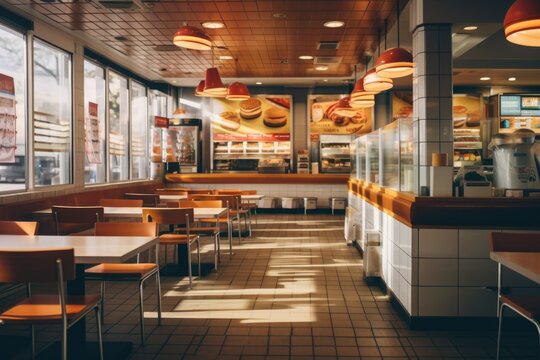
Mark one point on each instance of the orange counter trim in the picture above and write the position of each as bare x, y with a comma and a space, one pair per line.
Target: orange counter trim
238, 178
419, 211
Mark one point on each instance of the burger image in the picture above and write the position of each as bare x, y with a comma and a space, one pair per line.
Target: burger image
250, 108
275, 117
460, 115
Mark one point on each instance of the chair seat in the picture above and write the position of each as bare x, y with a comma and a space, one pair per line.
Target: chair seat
114, 271
248, 205
527, 305
238, 212
46, 308
222, 220
176, 238
199, 230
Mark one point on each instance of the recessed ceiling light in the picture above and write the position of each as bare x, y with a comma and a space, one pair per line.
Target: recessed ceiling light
485, 78
305, 57
325, 80
258, 83
334, 24
174, 81
213, 25
321, 68
470, 28
512, 78
225, 57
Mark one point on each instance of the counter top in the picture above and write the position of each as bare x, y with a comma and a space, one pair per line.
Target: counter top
250, 178
425, 211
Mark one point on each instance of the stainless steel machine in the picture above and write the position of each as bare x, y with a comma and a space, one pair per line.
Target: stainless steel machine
516, 160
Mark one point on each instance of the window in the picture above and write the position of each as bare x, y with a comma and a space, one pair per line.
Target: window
94, 123
52, 115
118, 127
12, 110
139, 131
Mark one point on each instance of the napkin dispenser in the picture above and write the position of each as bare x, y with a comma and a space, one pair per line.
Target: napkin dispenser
478, 189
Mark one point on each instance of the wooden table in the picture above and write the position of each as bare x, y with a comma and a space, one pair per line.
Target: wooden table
136, 212
87, 250
524, 263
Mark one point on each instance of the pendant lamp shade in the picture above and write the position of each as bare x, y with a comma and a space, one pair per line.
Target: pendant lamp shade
213, 85
237, 91
199, 91
360, 98
190, 37
394, 63
359, 89
344, 108
374, 82
522, 23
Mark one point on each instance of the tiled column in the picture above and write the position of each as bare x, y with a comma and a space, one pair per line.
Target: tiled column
432, 97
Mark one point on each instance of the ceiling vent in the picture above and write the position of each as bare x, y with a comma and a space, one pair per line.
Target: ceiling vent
120, 4
328, 45
329, 60
164, 48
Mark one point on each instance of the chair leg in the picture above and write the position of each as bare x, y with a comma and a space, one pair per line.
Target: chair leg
141, 308
199, 274
158, 282
99, 331
102, 301
239, 229
189, 264
33, 339
229, 230
216, 247
499, 333
249, 220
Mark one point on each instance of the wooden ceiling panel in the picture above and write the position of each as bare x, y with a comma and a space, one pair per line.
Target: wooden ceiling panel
264, 36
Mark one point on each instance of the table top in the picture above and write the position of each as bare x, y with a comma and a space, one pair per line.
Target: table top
524, 263
183, 197
130, 212
88, 249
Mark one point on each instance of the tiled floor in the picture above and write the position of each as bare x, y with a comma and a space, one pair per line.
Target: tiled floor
293, 290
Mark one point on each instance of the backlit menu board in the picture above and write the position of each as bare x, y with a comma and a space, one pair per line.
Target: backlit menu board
520, 105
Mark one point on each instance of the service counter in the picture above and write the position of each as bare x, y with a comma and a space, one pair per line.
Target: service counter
271, 185
435, 251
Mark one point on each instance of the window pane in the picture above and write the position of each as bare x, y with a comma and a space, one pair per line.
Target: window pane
118, 127
139, 130
52, 115
158, 107
94, 125
12, 110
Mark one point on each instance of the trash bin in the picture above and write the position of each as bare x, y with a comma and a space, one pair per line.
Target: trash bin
268, 203
337, 203
290, 203
310, 203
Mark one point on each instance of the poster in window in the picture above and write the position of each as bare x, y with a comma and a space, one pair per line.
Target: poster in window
8, 120
93, 138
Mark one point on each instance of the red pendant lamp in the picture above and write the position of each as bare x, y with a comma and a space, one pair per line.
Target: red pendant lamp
395, 62
213, 86
360, 98
344, 108
522, 23
237, 91
199, 91
376, 83
190, 37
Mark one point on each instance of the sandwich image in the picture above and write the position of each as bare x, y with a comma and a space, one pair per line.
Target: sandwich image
275, 117
229, 120
250, 108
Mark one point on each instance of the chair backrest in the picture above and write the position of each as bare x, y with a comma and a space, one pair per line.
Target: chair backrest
200, 204
199, 192
167, 216
121, 202
18, 227
248, 192
36, 265
125, 229
77, 214
514, 242
232, 200
228, 192
149, 200
171, 192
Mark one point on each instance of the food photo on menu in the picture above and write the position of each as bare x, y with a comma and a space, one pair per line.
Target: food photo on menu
263, 114
332, 114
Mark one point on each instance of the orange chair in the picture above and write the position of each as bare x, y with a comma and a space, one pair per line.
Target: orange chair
139, 272
121, 202
232, 203
149, 200
175, 218
240, 211
70, 219
172, 191
526, 306
249, 205
47, 266
18, 227
212, 231
199, 192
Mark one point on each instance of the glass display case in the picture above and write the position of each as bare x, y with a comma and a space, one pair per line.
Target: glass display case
385, 156
335, 153
246, 155
354, 162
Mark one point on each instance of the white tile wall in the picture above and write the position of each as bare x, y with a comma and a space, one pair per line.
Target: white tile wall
437, 272
438, 243
477, 301
437, 301
477, 272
